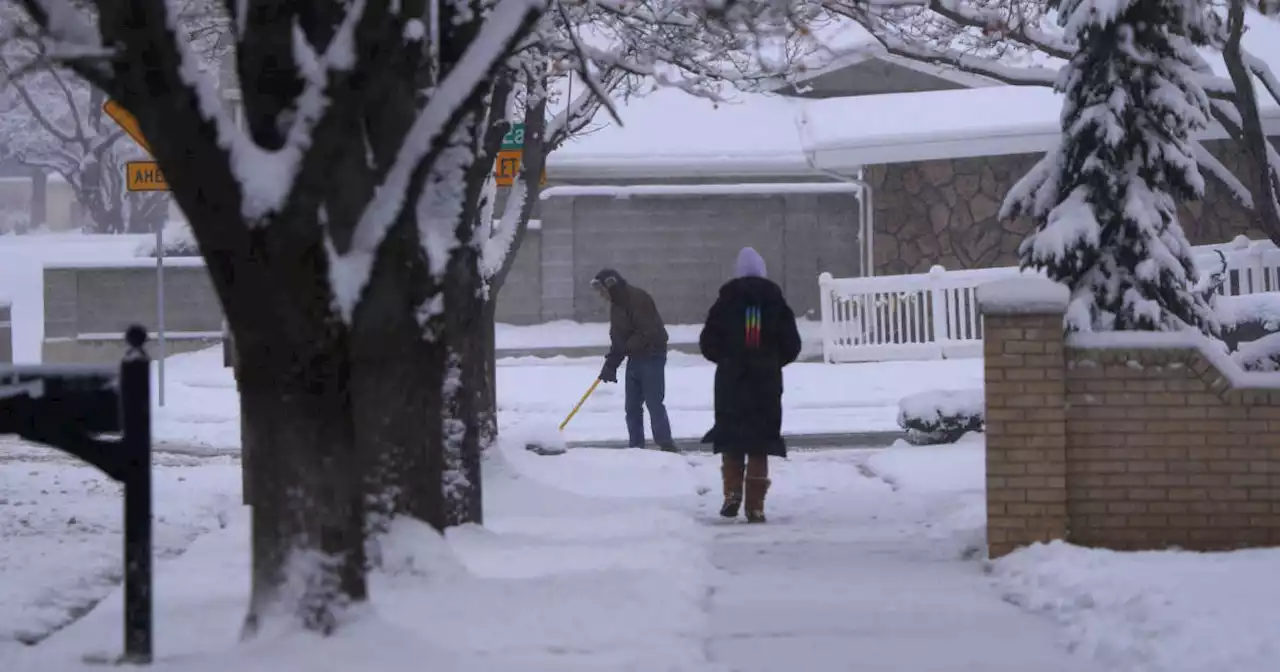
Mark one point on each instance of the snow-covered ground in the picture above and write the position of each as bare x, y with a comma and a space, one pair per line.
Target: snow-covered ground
201, 410
61, 529
615, 560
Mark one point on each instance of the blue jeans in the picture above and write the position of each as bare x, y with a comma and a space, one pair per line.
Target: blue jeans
647, 386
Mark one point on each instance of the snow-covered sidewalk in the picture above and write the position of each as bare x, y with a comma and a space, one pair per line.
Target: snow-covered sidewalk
851, 574
616, 560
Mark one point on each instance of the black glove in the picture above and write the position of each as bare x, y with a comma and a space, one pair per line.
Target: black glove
609, 374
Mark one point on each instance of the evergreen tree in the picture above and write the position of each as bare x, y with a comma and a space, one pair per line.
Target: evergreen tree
1105, 200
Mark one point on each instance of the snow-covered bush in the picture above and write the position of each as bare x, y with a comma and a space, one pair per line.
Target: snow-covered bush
178, 242
1262, 354
1248, 318
1262, 308
14, 221
941, 416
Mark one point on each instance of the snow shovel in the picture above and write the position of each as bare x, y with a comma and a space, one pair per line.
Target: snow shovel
556, 445
581, 401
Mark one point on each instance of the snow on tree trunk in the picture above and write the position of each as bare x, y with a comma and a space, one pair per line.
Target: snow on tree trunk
1106, 198
466, 422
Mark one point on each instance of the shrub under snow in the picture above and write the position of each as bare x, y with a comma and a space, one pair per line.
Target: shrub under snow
1260, 355
178, 242
941, 416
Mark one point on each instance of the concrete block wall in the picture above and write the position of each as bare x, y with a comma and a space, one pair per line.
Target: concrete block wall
1118, 444
520, 300
88, 309
682, 248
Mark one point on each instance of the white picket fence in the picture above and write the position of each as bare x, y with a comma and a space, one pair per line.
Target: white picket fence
935, 315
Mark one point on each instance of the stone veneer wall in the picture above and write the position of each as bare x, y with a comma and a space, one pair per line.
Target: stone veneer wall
1123, 447
945, 211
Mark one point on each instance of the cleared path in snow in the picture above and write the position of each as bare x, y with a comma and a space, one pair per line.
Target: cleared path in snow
853, 573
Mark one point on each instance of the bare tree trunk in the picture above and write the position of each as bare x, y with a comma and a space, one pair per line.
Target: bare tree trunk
396, 382
148, 212
1261, 178
308, 513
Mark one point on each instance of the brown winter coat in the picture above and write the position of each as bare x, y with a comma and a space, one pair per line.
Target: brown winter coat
635, 326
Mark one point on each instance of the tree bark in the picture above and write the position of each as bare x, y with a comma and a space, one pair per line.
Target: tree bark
1253, 138
465, 423
308, 514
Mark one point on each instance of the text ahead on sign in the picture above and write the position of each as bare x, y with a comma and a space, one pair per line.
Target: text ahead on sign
127, 122
145, 176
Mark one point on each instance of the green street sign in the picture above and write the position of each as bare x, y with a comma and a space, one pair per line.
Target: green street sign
514, 139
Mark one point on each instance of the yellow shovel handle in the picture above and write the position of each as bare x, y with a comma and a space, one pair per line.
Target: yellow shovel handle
581, 401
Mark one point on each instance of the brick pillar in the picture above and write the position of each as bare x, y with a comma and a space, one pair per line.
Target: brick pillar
1025, 412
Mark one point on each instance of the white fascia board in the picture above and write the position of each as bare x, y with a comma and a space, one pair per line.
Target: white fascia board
674, 168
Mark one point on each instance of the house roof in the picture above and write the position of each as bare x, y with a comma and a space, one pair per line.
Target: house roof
874, 51
671, 134
929, 125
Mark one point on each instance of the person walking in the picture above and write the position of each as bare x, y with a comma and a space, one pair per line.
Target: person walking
638, 335
750, 334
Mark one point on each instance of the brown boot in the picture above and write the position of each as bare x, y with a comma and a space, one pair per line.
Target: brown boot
732, 471
756, 488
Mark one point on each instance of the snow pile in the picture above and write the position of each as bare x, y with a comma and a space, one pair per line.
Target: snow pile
1025, 293
941, 416
541, 438
951, 482
1166, 611
1262, 308
1262, 355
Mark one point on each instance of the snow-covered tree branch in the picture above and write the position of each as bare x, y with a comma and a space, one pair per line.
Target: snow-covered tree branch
310, 224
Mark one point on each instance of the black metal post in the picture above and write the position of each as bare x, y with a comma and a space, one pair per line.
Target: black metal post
68, 408
135, 442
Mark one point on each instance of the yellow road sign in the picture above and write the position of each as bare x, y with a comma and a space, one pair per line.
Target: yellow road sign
127, 122
507, 166
144, 176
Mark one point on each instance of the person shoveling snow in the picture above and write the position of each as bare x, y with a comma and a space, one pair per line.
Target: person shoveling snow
638, 335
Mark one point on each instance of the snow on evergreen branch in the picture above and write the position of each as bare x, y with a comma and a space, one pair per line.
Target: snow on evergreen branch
1105, 199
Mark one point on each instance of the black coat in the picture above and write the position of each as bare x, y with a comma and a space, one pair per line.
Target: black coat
750, 334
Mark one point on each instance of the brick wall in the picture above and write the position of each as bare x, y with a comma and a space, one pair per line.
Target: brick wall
1124, 445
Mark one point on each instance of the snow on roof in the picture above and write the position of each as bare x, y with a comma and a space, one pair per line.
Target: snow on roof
899, 127
928, 125
670, 131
